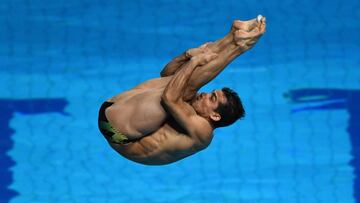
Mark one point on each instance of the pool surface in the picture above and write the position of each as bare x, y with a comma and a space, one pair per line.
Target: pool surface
300, 85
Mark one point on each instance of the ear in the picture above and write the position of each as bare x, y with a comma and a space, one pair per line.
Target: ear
215, 116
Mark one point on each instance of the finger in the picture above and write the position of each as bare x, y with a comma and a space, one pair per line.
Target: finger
258, 18
212, 56
206, 44
263, 25
187, 54
252, 26
208, 58
263, 19
203, 46
190, 53
238, 24
251, 43
240, 34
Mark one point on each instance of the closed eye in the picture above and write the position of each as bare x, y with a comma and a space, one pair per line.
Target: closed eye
213, 97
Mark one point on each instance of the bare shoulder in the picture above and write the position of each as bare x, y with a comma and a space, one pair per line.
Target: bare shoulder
200, 138
204, 131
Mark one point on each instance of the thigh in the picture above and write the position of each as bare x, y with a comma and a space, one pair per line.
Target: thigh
154, 83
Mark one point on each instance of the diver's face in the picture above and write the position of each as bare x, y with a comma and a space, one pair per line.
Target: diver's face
205, 104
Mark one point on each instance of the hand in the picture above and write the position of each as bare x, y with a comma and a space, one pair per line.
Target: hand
204, 58
199, 50
247, 33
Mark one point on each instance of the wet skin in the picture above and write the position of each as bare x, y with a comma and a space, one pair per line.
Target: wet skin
157, 111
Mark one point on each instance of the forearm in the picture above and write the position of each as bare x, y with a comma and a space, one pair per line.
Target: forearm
204, 74
178, 84
173, 66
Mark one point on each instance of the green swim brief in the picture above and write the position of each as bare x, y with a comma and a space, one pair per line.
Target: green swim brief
112, 134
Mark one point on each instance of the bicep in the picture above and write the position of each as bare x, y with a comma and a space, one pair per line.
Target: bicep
184, 114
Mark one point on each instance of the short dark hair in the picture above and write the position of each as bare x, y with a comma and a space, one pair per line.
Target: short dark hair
230, 111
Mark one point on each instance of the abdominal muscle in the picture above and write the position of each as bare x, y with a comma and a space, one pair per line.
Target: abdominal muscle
138, 112
164, 146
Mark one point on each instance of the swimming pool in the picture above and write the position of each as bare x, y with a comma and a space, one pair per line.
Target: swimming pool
300, 86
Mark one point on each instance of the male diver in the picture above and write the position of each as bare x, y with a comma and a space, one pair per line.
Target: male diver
164, 119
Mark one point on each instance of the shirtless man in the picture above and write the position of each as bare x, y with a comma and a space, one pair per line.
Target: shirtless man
164, 120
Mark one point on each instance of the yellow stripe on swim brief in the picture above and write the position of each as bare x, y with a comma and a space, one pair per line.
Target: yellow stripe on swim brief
117, 137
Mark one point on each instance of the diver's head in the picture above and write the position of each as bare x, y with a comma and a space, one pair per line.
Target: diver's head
221, 107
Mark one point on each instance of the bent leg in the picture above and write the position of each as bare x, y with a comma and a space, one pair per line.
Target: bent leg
243, 39
216, 47
173, 66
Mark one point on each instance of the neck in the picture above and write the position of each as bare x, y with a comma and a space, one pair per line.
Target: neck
211, 123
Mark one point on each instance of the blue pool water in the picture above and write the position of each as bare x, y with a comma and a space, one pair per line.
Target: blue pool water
300, 86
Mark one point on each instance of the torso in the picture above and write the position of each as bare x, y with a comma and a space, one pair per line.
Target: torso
139, 113
166, 145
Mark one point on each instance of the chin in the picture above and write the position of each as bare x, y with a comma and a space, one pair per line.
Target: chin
195, 106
